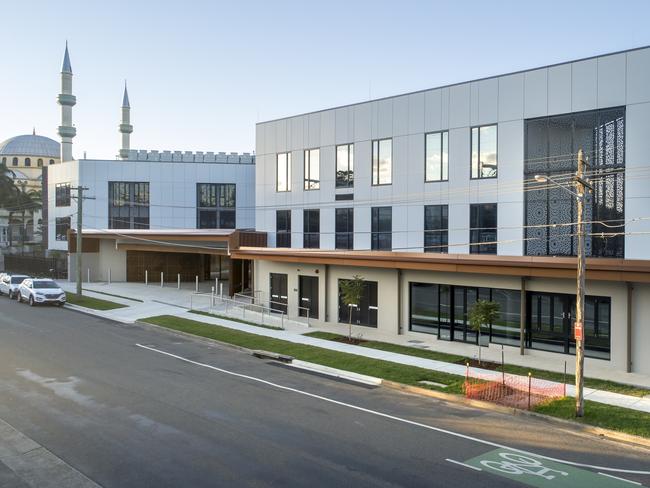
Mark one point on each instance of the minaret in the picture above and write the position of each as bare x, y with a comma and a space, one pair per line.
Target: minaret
67, 100
125, 127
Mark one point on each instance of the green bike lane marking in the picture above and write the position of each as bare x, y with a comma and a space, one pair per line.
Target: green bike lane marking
542, 473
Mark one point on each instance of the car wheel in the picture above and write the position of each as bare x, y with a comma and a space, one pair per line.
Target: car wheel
31, 301
19, 297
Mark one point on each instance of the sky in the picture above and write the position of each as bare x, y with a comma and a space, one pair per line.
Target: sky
201, 73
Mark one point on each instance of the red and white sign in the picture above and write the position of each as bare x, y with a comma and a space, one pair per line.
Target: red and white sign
578, 331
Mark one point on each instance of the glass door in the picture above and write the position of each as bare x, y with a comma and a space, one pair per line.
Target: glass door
549, 320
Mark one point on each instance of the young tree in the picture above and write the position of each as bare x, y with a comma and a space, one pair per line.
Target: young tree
484, 312
351, 293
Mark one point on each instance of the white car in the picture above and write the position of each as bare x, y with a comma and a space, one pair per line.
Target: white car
40, 290
9, 284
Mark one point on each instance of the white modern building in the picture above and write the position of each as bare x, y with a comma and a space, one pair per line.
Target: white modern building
144, 199
431, 196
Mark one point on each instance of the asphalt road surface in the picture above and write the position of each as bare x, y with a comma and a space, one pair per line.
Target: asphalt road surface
133, 406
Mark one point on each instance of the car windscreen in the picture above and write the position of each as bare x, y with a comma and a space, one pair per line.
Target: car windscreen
17, 280
40, 284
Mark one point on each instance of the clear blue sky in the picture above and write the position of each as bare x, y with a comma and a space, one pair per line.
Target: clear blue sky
201, 73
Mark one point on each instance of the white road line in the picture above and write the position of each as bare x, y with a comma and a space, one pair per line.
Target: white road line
392, 417
463, 464
621, 479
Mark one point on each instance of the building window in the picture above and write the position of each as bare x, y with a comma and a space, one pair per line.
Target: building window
39, 163
215, 206
283, 228
4, 160
312, 169
436, 228
365, 313
14, 162
311, 229
51, 161
551, 147
484, 151
62, 228
436, 164
28, 162
283, 172
382, 162
483, 228
382, 228
128, 205
62, 194
345, 166
344, 227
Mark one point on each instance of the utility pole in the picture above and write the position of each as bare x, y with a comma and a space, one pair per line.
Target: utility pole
80, 200
581, 189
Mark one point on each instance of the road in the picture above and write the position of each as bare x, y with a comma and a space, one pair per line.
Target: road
133, 406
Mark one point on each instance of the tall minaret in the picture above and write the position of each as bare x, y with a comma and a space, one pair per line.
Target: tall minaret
125, 127
67, 100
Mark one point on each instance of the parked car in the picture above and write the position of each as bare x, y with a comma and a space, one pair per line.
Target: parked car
40, 290
9, 284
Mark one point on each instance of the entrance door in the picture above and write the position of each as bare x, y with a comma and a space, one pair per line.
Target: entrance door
279, 294
308, 293
549, 321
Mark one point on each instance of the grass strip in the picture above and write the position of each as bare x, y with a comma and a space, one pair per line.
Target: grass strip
596, 414
600, 415
595, 383
113, 295
225, 317
89, 302
409, 375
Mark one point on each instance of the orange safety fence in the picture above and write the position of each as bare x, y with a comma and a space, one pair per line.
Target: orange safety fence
509, 389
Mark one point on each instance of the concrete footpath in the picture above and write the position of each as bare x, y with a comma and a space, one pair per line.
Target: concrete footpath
168, 301
24, 463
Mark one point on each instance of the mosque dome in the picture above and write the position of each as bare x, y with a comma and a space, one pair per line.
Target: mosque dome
30, 145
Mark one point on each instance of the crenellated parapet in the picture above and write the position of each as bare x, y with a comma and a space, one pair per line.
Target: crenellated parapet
191, 157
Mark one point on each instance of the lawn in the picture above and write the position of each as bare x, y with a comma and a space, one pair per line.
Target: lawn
349, 362
600, 415
94, 303
596, 414
509, 368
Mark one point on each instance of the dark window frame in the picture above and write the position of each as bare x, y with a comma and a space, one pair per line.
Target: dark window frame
479, 165
218, 200
311, 228
381, 237
436, 240
345, 177
287, 172
309, 184
480, 232
128, 204
444, 165
376, 156
283, 233
62, 226
344, 239
62, 195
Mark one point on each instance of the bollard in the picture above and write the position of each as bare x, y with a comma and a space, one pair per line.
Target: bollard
530, 376
212, 299
197, 284
564, 378
88, 275
161, 279
221, 291
216, 285
179, 281
146, 276
109, 276
503, 367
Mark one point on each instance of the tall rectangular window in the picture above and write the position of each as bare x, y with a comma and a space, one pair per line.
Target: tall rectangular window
312, 169
382, 162
484, 151
283, 228
215, 206
345, 166
128, 205
311, 229
283, 172
62, 228
344, 228
483, 228
382, 228
436, 165
62, 194
436, 228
